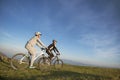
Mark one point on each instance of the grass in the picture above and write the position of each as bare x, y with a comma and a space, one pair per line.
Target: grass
68, 72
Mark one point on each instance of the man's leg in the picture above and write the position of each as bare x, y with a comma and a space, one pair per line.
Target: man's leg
31, 51
51, 55
48, 52
32, 59
33, 54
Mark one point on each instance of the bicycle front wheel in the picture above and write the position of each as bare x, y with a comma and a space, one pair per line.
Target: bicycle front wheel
20, 61
44, 64
58, 64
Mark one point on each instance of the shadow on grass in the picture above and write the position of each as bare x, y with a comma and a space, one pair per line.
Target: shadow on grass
60, 75
69, 75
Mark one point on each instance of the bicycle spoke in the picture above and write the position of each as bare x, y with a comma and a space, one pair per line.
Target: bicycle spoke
58, 64
44, 64
19, 61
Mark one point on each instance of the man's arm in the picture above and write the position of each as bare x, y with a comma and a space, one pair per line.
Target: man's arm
40, 43
56, 50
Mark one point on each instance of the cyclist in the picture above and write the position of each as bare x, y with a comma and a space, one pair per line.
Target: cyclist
35, 40
52, 47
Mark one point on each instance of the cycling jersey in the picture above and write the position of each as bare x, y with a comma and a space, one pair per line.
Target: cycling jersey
53, 47
36, 41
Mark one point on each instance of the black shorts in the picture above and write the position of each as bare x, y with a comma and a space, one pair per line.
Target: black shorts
50, 53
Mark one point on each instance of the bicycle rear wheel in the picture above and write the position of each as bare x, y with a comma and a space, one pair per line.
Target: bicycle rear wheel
20, 61
58, 64
44, 64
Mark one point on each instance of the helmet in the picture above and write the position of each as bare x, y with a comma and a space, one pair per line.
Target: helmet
54, 41
38, 33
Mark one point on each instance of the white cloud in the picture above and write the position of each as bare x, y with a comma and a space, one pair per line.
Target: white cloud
102, 45
6, 34
9, 44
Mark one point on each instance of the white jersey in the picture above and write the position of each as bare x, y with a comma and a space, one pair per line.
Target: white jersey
36, 41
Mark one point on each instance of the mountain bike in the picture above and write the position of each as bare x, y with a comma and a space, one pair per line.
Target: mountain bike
22, 61
57, 62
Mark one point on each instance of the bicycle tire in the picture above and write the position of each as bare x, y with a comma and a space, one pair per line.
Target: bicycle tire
15, 61
58, 64
44, 64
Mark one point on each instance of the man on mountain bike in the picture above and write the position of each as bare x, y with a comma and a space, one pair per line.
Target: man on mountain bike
52, 47
35, 40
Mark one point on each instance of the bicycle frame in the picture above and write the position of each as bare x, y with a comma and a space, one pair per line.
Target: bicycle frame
22, 59
56, 57
39, 55
36, 57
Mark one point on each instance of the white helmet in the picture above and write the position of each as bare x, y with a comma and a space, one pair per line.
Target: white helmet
38, 33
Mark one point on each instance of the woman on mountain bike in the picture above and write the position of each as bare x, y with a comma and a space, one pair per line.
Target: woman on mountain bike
35, 40
52, 47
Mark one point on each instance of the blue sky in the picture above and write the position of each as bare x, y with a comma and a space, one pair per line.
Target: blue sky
86, 30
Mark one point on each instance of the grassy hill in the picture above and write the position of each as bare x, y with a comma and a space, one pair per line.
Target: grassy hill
68, 72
